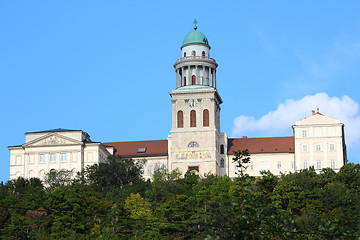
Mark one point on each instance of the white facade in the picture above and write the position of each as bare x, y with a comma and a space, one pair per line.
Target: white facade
319, 142
54, 150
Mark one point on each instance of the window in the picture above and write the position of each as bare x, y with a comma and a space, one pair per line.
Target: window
42, 158
52, 175
193, 118
264, 165
52, 157
318, 148
193, 80
332, 164
292, 164
332, 147
318, 133
180, 119
63, 157
222, 150
193, 169
193, 144
236, 164
157, 167
279, 165
163, 167
205, 118
203, 53
305, 164
141, 149
305, 148
149, 170
184, 81
184, 54
222, 163
193, 53
304, 133
331, 132
318, 164
251, 166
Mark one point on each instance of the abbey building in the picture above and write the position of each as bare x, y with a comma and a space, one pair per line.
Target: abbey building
195, 142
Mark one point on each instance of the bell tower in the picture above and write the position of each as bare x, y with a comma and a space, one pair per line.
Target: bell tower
195, 142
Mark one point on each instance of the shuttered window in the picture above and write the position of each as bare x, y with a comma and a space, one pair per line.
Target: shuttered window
180, 119
193, 118
205, 118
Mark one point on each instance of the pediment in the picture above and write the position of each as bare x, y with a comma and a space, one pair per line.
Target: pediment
318, 119
52, 139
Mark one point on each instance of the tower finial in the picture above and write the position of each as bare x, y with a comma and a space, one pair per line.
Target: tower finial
195, 22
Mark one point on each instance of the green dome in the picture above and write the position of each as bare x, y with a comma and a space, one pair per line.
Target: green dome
195, 37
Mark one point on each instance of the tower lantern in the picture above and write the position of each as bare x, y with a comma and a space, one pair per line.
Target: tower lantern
195, 67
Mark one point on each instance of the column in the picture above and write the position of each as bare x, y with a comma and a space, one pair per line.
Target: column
214, 77
188, 78
182, 76
203, 76
196, 74
177, 77
210, 82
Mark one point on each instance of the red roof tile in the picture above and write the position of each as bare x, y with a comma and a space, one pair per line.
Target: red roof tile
130, 149
262, 145
160, 147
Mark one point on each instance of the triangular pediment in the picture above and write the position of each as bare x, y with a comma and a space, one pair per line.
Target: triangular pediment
318, 119
52, 139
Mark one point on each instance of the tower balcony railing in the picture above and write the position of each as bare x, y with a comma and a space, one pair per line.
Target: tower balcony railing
195, 58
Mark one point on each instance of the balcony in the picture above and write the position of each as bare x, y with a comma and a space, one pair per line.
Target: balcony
195, 58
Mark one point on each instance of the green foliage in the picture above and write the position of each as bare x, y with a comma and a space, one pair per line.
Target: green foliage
116, 173
101, 203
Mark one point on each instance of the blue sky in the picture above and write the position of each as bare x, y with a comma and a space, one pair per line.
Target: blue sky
106, 67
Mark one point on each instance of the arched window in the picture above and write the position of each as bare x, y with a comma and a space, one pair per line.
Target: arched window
180, 119
193, 118
205, 118
193, 144
222, 163
222, 149
203, 53
52, 175
184, 54
193, 80
193, 53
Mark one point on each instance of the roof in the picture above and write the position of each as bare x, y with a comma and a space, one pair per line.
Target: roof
130, 149
262, 145
160, 147
55, 130
195, 37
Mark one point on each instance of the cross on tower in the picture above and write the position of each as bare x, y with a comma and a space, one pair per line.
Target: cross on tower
195, 22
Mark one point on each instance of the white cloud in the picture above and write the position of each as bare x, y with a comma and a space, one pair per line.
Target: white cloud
279, 122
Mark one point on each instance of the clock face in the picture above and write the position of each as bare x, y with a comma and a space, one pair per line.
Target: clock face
192, 103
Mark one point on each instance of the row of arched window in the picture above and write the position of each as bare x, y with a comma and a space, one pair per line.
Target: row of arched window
193, 80
180, 118
193, 53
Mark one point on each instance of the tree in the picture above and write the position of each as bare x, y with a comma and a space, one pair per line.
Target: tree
116, 173
142, 215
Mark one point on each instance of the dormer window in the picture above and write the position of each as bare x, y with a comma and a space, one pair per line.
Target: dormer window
141, 149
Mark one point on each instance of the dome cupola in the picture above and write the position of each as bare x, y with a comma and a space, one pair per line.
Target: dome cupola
195, 37
195, 69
